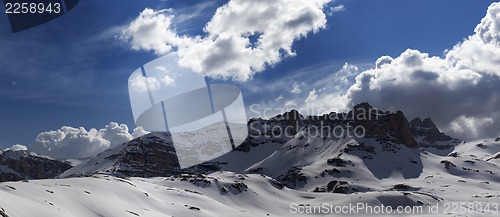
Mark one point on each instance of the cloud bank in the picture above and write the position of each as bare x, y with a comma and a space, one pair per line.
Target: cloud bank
242, 38
70, 142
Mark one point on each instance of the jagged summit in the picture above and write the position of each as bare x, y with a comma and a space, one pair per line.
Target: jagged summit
429, 136
364, 105
383, 125
289, 115
427, 124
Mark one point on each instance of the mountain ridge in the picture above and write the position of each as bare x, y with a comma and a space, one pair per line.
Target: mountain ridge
381, 127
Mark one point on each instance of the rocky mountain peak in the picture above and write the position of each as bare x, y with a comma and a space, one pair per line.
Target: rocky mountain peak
416, 122
428, 130
365, 111
292, 115
151, 155
425, 125
292, 118
363, 105
428, 135
393, 125
428, 123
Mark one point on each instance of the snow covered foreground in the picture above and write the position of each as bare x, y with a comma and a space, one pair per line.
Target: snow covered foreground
223, 194
232, 194
110, 196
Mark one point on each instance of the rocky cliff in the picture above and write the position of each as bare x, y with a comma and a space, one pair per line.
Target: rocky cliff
431, 138
23, 165
152, 155
384, 125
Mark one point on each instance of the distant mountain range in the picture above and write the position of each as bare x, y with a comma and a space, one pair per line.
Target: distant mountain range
369, 156
24, 165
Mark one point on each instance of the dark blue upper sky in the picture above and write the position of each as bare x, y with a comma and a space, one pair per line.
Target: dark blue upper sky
73, 71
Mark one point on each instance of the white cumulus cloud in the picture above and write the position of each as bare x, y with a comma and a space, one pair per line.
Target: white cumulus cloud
69, 142
153, 31
226, 49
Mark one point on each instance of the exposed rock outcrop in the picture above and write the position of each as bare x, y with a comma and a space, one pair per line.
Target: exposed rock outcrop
293, 178
429, 136
147, 156
151, 155
292, 120
23, 165
428, 130
383, 126
340, 187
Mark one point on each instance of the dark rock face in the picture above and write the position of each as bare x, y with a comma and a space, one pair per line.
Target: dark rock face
278, 129
430, 136
339, 162
428, 130
148, 156
404, 187
385, 126
399, 124
292, 120
340, 187
448, 164
497, 140
22, 165
293, 178
203, 181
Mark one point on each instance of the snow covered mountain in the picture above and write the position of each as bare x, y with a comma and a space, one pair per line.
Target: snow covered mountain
146, 156
289, 164
18, 165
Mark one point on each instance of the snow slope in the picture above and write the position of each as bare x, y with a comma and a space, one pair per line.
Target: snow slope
220, 194
376, 180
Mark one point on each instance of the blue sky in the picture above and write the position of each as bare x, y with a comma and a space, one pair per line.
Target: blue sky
73, 71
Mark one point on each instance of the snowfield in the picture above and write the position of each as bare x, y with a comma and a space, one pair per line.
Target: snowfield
465, 184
